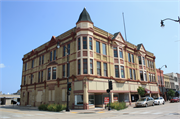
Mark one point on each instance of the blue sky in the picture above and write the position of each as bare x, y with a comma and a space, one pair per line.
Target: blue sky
26, 25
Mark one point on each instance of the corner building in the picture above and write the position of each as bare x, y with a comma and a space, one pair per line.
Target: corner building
95, 57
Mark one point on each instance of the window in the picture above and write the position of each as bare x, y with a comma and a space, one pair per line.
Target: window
139, 58
132, 56
40, 60
130, 72
78, 99
79, 66
97, 47
115, 52
90, 43
134, 74
41, 76
84, 42
143, 61
25, 66
104, 49
68, 70
24, 80
84, 66
122, 72
91, 66
105, 69
64, 51
98, 68
31, 78
54, 73
43, 59
116, 70
54, 58
51, 56
150, 78
68, 46
49, 73
129, 57
91, 99
120, 54
141, 75
32, 64
79, 43
145, 76
63, 70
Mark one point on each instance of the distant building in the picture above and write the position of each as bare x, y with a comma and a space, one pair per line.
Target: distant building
95, 57
7, 99
174, 80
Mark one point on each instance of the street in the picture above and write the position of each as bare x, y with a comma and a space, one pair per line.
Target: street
167, 111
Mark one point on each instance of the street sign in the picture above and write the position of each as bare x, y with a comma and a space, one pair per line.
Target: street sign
106, 100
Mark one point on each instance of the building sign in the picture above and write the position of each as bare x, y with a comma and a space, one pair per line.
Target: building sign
115, 99
106, 100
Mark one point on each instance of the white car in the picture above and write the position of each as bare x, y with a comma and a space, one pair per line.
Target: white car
159, 100
18, 103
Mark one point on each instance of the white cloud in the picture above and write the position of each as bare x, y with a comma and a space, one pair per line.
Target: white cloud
2, 65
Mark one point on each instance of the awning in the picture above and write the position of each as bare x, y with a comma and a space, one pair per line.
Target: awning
147, 90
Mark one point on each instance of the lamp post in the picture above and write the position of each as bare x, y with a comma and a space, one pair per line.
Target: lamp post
162, 21
161, 79
68, 93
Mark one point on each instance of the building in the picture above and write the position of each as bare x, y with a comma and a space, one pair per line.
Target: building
167, 85
174, 81
6, 99
95, 57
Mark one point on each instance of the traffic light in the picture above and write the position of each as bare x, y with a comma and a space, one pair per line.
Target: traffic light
110, 85
69, 86
107, 90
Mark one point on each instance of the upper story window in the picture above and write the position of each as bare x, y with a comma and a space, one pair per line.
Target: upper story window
90, 43
141, 75
144, 61
145, 76
139, 59
51, 56
130, 72
98, 68
49, 73
79, 66
129, 57
25, 66
122, 72
97, 47
132, 56
134, 74
68, 46
121, 54
31, 79
116, 71
85, 66
105, 69
104, 49
41, 76
91, 66
63, 70
79, 43
84, 42
64, 50
54, 72
24, 80
115, 52
68, 70
40, 60
32, 63
54, 57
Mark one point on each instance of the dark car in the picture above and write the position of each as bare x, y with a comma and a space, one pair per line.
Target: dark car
174, 99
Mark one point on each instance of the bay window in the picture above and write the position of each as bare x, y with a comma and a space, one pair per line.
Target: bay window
79, 66
98, 68
122, 72
90, 43
141, 76
91, 66
139, 59
97, 47
105, 69
84, 42
85, 66
117, 71
79, 43
121, 54
115, 52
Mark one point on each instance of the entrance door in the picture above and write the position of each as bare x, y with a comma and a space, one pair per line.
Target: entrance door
98, 100
28, 98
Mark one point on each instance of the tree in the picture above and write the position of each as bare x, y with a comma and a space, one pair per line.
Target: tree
141, 91
171, 93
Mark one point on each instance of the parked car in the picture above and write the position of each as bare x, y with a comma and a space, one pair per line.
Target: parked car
159, 100
174, 99
18, 103
145, 101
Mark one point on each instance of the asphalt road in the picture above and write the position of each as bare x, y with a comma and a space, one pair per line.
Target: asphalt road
167, 111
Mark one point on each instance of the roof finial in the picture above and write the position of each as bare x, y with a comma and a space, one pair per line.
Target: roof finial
84, 7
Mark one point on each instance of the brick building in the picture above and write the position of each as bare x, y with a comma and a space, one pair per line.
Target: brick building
95, 57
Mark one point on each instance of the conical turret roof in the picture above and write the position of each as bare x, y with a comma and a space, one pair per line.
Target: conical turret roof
84, 16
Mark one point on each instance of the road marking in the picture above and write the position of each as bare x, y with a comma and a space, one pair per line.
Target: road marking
5, 117
74, 112
134, 112
101, 112
145, 112
157, 113
39, 114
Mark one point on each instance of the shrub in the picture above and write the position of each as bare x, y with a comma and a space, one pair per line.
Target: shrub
52, 107
117, 105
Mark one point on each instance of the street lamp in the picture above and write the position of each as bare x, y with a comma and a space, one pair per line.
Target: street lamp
162, 21
161, 78
68, 93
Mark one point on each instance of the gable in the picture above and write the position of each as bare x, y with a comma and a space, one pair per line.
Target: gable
142, 49
117, 36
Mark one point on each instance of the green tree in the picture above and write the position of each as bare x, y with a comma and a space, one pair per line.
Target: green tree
171, 93
141, 91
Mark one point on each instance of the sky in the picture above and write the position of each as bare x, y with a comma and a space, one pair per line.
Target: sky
25, 25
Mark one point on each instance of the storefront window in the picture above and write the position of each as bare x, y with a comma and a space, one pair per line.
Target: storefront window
78, 99
91, 99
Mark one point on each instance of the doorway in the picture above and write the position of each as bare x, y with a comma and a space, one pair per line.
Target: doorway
28, 98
